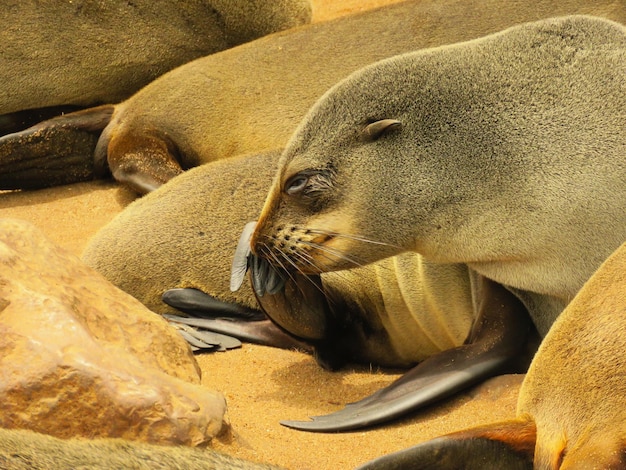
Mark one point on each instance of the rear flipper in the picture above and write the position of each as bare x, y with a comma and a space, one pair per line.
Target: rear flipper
54, 152
498, 338
20, 120
208, 314
203, 341
509, 445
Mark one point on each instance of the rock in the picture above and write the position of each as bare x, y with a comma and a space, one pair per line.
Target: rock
79, 357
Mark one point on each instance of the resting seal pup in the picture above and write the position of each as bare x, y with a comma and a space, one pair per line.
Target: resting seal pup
215, 107
571, 405
86, 53
506, 153
398, 312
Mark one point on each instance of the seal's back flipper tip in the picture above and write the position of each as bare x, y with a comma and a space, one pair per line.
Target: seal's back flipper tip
54, 152
507, 445
46, 157
206, 313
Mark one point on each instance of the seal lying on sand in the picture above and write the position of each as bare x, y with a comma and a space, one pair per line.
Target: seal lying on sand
506, 153
87, 53
571, 405
214, 107
397, 312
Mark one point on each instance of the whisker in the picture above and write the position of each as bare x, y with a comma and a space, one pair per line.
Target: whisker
286, 258
307, 259
279, 263
303, 257
332, 251
305, 276
353, 237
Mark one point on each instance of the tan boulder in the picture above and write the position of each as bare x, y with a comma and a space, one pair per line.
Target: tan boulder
79, 357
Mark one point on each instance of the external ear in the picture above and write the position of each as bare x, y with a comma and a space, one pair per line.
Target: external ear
377, 128
507, 445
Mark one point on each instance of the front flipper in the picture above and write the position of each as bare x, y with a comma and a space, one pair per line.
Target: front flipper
140, 160
509, 445
210, 314
203, 341
498, 336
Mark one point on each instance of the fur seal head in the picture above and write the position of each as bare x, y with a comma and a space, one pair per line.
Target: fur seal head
464, 154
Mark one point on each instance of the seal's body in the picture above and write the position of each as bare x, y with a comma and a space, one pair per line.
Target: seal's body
215, 107
506, 153
398, 312
571, 404
432, 304
88, 53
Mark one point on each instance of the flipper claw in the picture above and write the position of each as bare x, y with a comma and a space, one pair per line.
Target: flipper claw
205, 340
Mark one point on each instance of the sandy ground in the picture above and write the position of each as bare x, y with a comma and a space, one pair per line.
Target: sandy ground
264, 385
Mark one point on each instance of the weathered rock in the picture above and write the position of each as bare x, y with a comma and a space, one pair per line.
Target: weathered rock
80, 357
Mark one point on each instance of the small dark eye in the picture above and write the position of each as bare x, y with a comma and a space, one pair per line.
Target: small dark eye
296, 184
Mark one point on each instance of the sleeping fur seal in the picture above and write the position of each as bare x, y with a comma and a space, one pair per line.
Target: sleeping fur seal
506, 153
215, 107
571, 404
398, 312
90, 52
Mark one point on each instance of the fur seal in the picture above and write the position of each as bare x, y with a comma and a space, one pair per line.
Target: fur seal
465, 154
87, 53
28, 450
215, 108
571, 404
398, 312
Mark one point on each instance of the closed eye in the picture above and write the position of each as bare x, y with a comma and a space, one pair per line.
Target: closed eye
296, 184
309, 183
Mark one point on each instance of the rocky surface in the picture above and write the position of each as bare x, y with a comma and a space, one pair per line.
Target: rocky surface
80, 357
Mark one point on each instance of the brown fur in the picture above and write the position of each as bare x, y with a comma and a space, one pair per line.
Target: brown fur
149, 248
575, 388
483, 169
89, 52
570, 410
27, 450
215, 107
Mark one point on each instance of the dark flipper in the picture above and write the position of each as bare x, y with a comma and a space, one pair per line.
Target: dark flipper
20, 120
509, 445
212, 315
54, 152
204, 341
498, 336
197, 303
